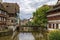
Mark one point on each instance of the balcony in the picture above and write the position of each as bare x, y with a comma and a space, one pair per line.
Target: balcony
2, 22
9, 23
30, 29
3, 15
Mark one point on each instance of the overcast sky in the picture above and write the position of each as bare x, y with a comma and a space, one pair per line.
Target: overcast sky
27, 7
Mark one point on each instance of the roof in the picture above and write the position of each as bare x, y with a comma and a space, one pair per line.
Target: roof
57, 5
1, 7
11, 7
56, 8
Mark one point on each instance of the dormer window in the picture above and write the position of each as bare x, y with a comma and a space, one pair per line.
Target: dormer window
6, 6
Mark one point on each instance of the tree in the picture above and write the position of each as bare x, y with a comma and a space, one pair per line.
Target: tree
54, 35
40, 16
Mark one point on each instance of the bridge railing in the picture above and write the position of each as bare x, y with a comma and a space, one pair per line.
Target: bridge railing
31, 28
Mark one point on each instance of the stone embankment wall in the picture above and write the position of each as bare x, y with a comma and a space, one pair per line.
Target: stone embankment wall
6, 33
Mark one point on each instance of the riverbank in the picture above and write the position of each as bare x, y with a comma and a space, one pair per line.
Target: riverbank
9, 37
5, 38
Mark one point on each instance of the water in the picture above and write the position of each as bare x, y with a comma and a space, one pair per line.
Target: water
26, 36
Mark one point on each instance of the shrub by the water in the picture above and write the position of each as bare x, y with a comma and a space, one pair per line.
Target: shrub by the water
54, 35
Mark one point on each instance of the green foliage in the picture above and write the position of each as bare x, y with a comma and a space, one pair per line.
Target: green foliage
29, 23
54, 35
40, 16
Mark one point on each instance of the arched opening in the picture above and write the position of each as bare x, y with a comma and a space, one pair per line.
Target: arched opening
17, 29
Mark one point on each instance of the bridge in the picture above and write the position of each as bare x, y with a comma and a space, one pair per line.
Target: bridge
35, 30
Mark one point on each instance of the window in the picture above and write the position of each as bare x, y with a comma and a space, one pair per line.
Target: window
0, 11
49, 25
2, 26
0, 18
56, 26
12, 21
53, 26
11, 15
5, 13
6, 6
4, 19
15, 20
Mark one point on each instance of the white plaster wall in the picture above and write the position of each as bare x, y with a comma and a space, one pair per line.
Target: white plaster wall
51, 29
59, 26
12, 27
53, 15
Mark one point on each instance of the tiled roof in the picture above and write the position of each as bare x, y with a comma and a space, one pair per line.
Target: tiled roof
1, 7
11, 7
55, 8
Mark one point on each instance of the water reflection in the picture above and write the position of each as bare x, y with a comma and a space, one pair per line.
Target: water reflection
26, 36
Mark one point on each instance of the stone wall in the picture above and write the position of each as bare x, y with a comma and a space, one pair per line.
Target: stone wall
6, 33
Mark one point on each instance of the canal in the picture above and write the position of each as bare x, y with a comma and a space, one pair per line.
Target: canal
27, 33
26, 36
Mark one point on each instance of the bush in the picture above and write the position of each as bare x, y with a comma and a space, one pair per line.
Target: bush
54, 35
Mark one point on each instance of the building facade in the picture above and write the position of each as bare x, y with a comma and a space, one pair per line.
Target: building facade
3, 17
9, 15
13, 11
53, 16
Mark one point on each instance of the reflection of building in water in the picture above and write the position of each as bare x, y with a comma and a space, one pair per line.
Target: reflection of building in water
54, 17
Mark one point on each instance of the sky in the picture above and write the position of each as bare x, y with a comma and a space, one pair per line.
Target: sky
27, 7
